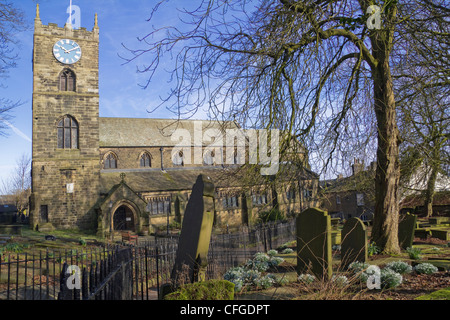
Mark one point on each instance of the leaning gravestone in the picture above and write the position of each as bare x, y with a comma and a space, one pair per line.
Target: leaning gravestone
314, 243
354, 242
196, 231
406, 229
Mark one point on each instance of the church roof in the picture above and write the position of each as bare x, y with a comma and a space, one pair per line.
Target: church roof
158, 180
146, 132
177, 179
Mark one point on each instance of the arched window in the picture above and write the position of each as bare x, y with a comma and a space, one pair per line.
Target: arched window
208, 157
67, 80
178, 158
145, 160
67, 133
110, 161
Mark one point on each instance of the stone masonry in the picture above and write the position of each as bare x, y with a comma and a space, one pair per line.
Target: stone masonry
54, 169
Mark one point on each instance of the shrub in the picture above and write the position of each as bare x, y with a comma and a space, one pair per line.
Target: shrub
287, 250
271, 215
371, 270
15, 247
205, 290
234, 273
341, 281
357, 266
306, 278
250, 275
281, 280
258, 265
400, 267
390, 279
373, 249
264, 282
425, 268
275, 261
272, 253
414, 253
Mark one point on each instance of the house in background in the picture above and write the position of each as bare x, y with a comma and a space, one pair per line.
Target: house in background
413, 190
352, 196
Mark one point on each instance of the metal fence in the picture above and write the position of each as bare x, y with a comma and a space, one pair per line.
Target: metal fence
40, 276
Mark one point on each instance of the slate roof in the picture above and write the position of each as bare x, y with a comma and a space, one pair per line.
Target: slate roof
175, 179
155, 180
146, 132
362, 181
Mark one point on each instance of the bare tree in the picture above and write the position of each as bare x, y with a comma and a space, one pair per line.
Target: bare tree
423, 85
318, 70
12, 21
18, 185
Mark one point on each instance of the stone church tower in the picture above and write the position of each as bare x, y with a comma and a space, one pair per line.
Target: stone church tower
65, 152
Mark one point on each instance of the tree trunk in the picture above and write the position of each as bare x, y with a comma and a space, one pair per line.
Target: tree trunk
385, 224
429, 194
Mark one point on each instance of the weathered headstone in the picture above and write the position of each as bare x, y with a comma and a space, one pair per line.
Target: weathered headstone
354, 242
314, 243
196, 231
406, 229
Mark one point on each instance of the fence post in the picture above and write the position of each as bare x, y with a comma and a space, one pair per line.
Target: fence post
157, 271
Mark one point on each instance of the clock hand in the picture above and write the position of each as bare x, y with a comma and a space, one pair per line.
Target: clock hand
76, 48
65, 50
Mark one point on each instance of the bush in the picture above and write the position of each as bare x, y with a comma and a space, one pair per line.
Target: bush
205, 290
250, 275
414, 253
264, 282
371, 270
271, 215
341, 281
357, 266
400, 267
425, 268
287, 250
306, 278
260, 262
373, 249
390, 279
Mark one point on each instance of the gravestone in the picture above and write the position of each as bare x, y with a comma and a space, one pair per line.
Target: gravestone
196, 231
354, 242
314, 243
406, 229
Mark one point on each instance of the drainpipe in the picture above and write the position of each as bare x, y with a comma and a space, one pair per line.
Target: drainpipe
161, 150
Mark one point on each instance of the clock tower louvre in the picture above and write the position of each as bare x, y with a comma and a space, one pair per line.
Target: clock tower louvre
65, 148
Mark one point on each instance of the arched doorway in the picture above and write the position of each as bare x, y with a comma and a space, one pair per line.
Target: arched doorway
123, 219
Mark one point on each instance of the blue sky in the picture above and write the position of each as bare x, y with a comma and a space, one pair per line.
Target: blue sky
120, 21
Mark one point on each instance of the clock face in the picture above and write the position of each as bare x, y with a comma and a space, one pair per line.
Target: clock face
67, 51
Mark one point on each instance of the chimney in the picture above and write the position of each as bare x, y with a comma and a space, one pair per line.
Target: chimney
357, 166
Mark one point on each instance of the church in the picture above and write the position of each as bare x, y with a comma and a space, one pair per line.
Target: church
111, 174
